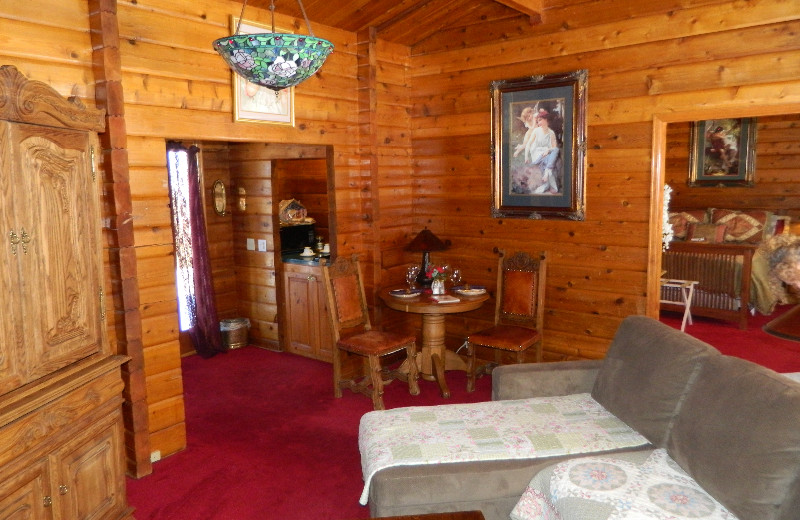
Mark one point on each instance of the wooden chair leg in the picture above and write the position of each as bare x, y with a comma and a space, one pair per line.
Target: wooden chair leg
470, 367
337, 372
376, 380
413, 373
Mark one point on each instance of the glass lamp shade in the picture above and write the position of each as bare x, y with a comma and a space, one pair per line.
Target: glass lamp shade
274, 60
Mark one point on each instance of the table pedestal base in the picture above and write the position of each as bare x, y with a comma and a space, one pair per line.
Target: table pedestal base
435, 359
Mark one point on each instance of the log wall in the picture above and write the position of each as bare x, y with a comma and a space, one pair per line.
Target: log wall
709, 57
408, 132
777, 149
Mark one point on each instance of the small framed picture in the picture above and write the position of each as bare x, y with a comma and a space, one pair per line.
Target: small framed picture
254, 103
539, 146
722, 152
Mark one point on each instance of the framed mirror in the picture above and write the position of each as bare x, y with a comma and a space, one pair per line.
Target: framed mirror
219, 197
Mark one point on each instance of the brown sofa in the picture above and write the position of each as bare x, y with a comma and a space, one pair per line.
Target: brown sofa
732, 425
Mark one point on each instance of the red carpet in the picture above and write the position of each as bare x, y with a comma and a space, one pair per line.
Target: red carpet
267, 440
754, 344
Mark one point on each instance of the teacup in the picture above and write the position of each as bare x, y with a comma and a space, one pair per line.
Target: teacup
326, 248
307, 251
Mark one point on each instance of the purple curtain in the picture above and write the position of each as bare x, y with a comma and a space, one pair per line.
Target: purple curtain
204, 333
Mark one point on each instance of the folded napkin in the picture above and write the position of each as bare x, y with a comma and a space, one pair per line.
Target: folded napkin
445, 298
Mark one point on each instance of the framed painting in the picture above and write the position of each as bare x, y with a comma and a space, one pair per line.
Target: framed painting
722, 152
254, 103
539, 146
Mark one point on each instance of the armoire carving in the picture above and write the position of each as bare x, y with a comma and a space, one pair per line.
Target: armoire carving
61, 430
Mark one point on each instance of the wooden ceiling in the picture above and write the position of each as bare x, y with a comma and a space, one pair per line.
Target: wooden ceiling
410, 22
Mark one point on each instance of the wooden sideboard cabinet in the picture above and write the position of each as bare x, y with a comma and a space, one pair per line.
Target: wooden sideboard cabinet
307, 329
61, 429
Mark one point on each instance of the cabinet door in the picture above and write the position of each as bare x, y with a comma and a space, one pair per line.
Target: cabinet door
90, 484
26, 495
12, 351
59, 227
300, 289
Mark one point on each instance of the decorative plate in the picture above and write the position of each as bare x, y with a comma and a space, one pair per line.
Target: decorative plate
405, 293
470, 290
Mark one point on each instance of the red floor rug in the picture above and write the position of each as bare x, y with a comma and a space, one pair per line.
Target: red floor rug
753, 344
267, 440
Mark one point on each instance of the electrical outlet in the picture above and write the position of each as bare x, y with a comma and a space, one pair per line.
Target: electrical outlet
251, 244
155, 456
262, 245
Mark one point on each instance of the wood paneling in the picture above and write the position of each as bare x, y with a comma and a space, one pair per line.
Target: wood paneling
777, 186
635, 73
408, 133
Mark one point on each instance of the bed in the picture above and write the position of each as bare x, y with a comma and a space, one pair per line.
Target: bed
719, 249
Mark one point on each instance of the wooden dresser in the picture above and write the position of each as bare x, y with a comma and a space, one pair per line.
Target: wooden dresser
61, 432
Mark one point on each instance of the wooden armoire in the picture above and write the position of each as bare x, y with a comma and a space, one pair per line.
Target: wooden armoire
61, 431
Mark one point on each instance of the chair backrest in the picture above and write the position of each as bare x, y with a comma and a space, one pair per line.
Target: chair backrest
346, 299
520, 289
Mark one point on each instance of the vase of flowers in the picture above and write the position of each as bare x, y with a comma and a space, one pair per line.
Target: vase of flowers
437, 274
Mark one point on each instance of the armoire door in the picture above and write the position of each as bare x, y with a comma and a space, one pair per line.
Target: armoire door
12, 352
56, 215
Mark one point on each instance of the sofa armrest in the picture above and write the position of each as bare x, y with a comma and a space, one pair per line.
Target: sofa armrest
544, 379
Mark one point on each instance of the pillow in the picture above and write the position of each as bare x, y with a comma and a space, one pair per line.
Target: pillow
647, 371
711, 233
741, 226
617, 486
680, 221
737, 435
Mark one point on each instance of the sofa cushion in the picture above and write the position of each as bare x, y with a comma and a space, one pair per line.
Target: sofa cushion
738, 435
646, 373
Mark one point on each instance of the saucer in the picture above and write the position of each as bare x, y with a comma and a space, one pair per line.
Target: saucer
307, 254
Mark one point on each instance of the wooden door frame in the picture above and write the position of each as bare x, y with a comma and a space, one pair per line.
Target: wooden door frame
658, 158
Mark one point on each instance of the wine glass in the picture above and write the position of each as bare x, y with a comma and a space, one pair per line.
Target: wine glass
411, 276
455, 276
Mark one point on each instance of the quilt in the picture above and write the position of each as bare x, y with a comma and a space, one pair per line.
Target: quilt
494, 430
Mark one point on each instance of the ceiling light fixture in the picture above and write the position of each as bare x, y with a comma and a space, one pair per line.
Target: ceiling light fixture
274, 60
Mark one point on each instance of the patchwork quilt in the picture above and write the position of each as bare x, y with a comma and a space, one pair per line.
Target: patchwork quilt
609, 488
494, 430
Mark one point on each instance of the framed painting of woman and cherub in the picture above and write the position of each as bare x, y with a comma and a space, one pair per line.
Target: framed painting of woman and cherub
538, 146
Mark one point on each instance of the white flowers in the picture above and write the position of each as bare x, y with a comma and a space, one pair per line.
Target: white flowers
283, 68
667, 232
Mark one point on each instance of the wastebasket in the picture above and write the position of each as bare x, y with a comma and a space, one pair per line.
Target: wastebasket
234, 332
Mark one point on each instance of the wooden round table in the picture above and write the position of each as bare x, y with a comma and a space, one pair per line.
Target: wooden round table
434, 358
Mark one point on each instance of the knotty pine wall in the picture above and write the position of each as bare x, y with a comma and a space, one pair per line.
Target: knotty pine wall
645, 59
176, 86
649, 62
777, 170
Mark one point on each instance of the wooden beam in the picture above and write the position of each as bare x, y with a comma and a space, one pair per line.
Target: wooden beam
534, 9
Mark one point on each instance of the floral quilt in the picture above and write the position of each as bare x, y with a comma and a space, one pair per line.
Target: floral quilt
512, 429
608, 488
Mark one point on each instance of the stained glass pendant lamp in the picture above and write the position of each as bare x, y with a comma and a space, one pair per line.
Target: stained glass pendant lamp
274, 60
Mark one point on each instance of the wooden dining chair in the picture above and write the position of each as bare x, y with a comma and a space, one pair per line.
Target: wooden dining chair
353, 334
519, 313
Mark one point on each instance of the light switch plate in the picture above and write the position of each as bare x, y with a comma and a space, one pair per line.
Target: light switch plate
251, 244
262, 245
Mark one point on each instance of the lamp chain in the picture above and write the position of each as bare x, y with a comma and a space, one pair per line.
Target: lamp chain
272, 10
241, 17
303, 10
